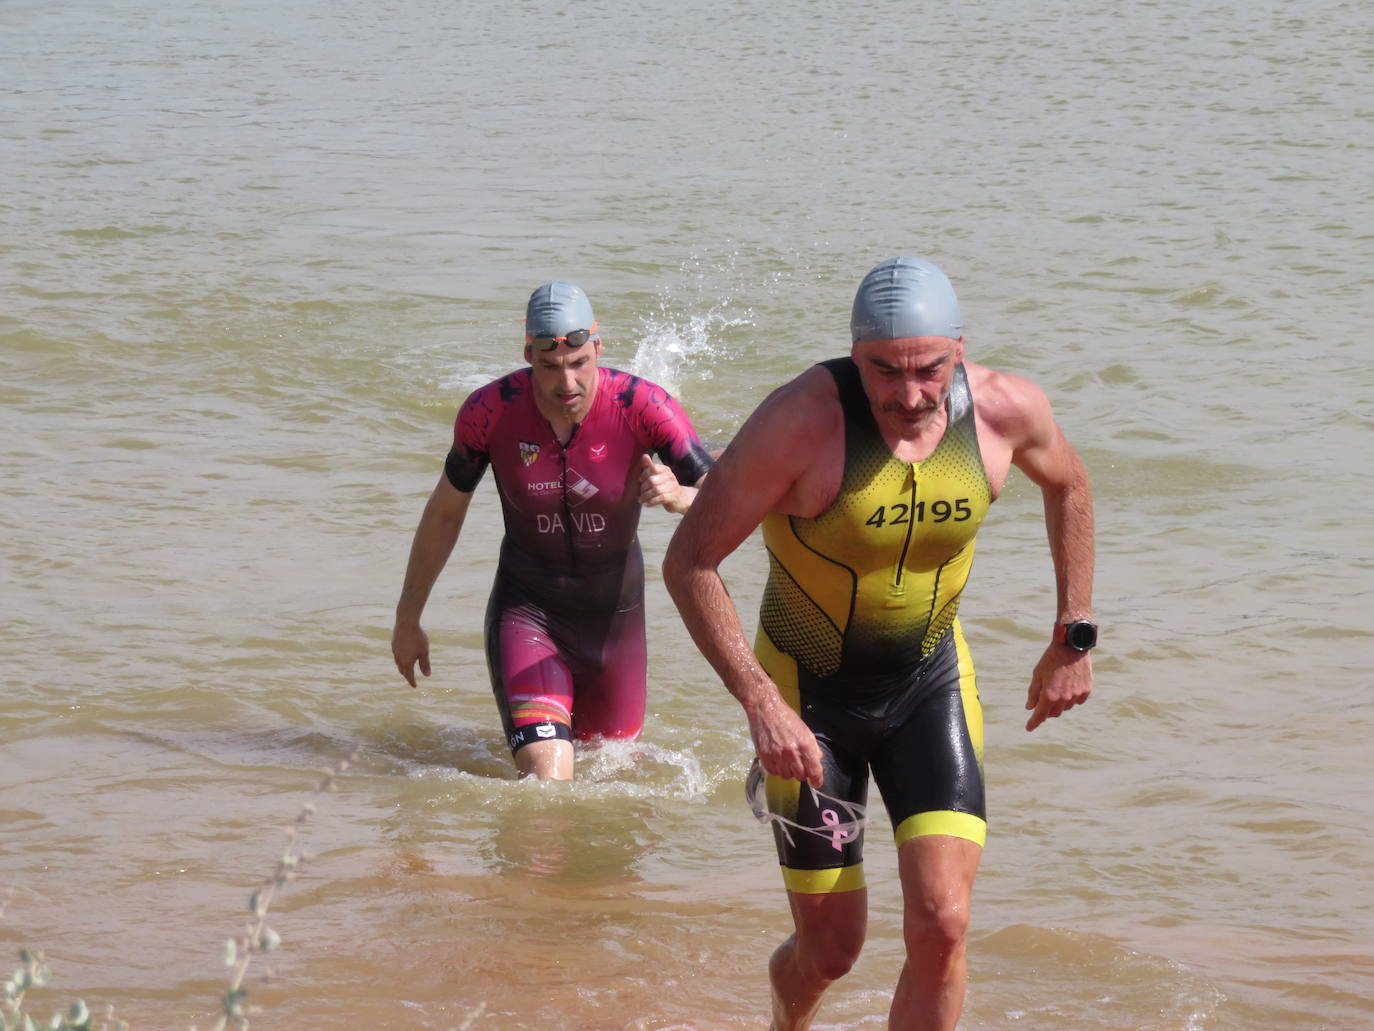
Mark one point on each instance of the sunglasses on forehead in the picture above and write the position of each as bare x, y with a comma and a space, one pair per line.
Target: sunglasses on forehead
574, 340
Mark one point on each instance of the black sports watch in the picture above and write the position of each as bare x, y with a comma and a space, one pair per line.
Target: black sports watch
1078, 634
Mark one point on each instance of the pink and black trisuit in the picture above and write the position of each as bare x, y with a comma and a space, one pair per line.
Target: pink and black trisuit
565, 624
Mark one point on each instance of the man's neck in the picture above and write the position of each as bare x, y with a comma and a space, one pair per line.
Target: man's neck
922, 445
563, 422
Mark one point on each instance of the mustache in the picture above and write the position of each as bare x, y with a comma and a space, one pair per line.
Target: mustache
901, 409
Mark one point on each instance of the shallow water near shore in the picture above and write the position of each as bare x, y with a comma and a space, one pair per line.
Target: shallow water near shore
253, 259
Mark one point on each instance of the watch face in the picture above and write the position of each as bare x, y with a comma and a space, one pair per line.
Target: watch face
1080, 635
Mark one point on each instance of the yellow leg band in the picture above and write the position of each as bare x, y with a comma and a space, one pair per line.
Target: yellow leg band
823, 882
957, 825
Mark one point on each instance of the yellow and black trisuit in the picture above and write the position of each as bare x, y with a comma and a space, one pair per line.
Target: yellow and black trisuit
858, 629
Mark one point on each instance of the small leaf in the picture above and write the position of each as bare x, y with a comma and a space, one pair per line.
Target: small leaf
29, 1024
231, 951
255, 903
78, 1014
25, 956
270, 940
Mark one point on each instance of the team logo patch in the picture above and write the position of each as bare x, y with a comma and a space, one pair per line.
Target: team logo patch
599, 453
529, 453
578, 488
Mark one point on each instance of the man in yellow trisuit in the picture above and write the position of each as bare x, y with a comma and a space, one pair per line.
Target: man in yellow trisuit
870, 475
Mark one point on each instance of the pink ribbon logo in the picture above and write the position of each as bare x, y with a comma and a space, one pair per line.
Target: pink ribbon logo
832, 819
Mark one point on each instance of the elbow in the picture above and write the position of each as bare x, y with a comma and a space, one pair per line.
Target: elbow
681, 566
674, 569
1072, 488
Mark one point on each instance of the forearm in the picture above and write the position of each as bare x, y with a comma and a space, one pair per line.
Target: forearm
713, 622
1069, 525
783, 742
434, 541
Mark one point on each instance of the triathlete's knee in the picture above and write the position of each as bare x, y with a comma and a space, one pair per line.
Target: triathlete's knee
939, 927
829, 952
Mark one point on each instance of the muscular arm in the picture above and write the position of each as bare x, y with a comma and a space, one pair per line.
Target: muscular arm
435, 537
755, 474
1063, 677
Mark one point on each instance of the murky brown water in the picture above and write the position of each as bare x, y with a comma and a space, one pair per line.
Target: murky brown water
254, 257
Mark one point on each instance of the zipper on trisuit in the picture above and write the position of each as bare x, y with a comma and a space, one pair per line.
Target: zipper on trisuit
567, 508
896, 591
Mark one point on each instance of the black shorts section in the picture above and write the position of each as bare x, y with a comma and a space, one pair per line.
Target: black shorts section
846, 778
915, 742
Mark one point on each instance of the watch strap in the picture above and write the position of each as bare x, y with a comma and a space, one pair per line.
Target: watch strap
1078, 634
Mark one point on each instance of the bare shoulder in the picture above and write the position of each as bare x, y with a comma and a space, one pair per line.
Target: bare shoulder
1011, 407
777, 459
1016, 426
790, 453
802, 409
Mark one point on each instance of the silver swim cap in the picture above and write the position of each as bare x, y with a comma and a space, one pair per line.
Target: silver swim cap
905, 297
557, 309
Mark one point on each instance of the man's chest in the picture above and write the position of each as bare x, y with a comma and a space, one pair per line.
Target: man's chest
536, 473
816, 488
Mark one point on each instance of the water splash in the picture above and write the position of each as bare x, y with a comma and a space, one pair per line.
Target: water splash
614, 768
676, 347
687, 336
641, 769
